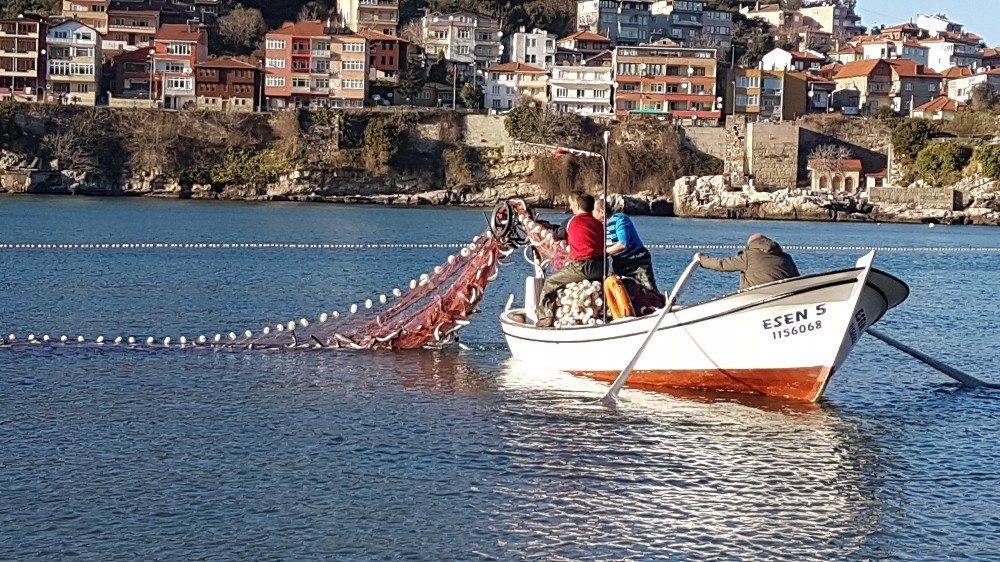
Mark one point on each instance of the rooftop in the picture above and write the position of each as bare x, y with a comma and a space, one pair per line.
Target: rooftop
942, 103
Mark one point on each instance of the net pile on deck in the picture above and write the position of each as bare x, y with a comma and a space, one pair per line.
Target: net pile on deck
427, 314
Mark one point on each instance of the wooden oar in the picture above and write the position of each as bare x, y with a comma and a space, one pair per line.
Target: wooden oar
966, 379
612, 396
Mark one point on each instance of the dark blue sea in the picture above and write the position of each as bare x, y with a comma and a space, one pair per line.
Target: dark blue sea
170, 454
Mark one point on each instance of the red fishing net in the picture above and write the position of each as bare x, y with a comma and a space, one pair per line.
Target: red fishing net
429, 314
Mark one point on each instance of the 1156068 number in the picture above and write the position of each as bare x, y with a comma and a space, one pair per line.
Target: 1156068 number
797, 330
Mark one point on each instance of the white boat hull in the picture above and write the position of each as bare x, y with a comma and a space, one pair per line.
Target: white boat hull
783, 339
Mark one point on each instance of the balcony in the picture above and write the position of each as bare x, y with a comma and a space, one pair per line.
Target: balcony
112, 27
319, 52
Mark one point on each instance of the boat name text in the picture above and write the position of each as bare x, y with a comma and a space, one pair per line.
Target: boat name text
795, 323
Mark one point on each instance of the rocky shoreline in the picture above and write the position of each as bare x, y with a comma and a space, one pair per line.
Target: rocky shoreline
499, 180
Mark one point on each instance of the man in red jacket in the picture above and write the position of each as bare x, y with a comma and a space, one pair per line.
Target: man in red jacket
585, 235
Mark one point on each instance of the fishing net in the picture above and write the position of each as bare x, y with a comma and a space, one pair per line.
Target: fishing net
430, 313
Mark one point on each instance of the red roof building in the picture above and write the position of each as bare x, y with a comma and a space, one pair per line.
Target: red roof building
179, 48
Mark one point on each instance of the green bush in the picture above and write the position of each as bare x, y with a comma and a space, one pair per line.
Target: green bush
910, 136
8, 127
240, 167
939, 160
523, 123
382, 140
988, 158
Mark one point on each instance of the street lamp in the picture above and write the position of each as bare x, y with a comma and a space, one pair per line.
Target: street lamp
152, 66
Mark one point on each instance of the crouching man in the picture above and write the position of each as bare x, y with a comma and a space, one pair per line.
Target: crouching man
585, 236
763, 261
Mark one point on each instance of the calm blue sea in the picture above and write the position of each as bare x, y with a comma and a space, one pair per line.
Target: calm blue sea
107, 454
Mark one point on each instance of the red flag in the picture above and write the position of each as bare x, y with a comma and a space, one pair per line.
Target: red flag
559, 153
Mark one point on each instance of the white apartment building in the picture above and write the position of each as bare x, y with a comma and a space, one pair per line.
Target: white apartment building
960, 89
513, 83
74, 63
945, 52
780, 59
909, 49
624, 22
465, 38
937, 24
583, 89
535, 48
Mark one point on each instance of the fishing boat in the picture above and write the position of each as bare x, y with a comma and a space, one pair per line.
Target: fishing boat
784, 339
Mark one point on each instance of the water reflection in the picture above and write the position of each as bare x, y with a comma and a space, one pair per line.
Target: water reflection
695, 478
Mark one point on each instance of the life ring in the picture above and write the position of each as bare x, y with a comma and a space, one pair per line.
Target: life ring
616, 298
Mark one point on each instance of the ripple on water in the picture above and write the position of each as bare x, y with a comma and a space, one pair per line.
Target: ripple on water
160, 454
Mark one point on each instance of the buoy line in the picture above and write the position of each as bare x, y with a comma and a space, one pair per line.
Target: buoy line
455, 246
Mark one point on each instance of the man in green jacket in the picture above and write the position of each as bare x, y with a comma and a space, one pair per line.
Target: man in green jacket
763, 261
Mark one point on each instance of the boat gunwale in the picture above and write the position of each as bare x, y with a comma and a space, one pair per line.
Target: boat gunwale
748, 306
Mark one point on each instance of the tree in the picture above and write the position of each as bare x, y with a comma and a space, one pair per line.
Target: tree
752, 39
471, 95
910, 136
40, 7
985, 98
523, 123
830, 158
988, 158
243, 27
411, 82
938, 160
313, 11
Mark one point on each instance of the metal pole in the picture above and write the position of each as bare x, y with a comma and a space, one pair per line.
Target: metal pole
454, 87
152, 65
604, 201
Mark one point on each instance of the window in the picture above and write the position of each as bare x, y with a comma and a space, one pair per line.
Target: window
440, 34
178, 83
561, 92
354, 65
496, 104
276, 63
321, 65
60, 34
173, 67
908, 87
753, 100
354, 84
496, 90
82, 88
300, 82
463, 34
628, 69
322, 83
275, 82
581, 93
463, 49
277, 44
932, 88
179, 49
354, 47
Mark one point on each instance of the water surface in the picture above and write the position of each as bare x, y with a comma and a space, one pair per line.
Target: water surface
168, 454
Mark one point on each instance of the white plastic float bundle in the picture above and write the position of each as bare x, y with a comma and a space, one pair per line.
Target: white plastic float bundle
580, 304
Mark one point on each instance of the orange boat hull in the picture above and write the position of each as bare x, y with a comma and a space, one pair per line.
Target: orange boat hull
802, 384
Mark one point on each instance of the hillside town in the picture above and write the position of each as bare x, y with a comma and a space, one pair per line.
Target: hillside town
742, 82
675, 59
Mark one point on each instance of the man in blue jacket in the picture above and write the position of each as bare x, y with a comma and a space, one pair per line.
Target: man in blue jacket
629, 257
